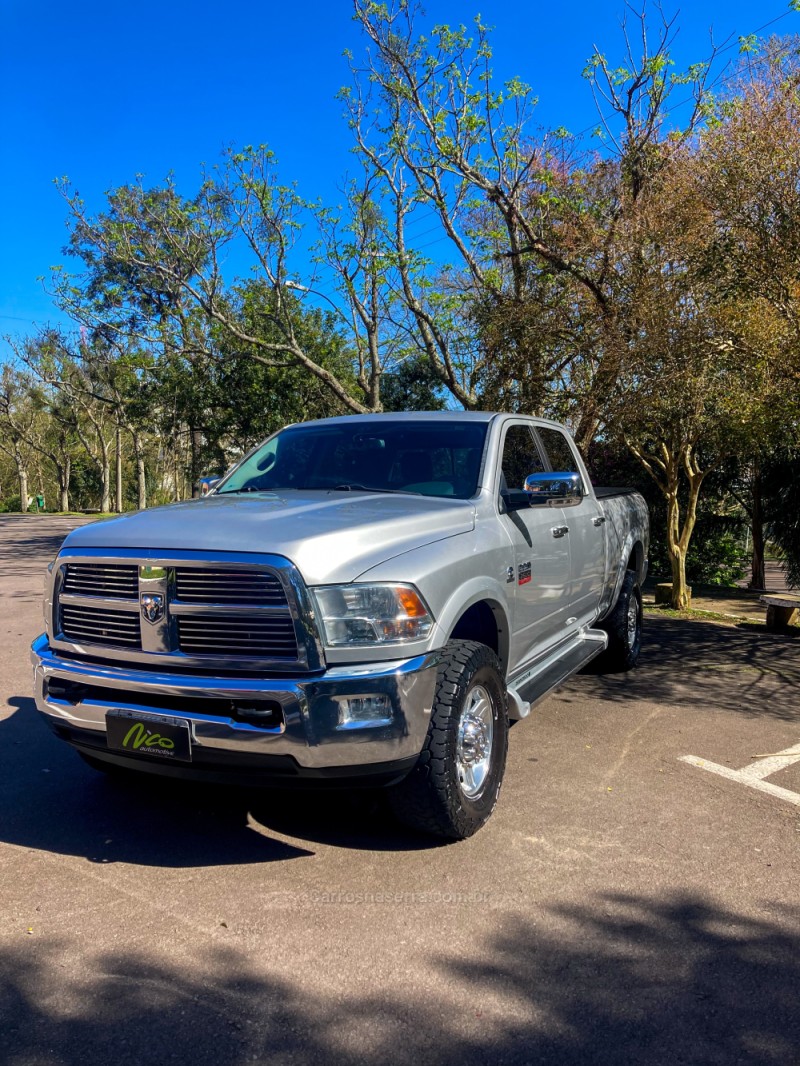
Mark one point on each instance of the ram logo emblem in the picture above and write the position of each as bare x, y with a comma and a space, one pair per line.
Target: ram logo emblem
152, 606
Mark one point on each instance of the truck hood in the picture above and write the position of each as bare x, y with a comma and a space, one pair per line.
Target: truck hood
330, 536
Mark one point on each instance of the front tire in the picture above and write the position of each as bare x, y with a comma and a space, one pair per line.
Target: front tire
624, 628
453, 789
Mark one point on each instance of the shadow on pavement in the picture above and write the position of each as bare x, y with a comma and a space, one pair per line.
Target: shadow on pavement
617, 980
52, 801
743, 670
37, 545
358, 818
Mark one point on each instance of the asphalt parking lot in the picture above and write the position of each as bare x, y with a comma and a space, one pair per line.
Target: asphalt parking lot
621, 906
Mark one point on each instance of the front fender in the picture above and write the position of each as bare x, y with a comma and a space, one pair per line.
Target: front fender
477, 590
452, 576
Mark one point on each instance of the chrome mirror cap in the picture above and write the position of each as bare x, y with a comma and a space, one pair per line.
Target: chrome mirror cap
209, 482
563, 486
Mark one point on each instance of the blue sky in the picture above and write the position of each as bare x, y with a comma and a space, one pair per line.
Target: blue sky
102, 92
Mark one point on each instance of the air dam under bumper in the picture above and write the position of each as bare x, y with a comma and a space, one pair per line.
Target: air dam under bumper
248, 729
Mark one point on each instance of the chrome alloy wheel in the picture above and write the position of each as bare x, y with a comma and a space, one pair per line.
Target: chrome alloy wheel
633, 620
474, 742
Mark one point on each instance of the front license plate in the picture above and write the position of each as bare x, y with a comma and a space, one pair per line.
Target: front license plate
152, 735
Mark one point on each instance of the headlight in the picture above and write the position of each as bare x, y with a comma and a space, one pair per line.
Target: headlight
371, 614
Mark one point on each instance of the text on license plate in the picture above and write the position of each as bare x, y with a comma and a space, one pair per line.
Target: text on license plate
154, 735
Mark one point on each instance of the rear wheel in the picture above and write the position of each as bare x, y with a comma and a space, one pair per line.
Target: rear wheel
454, 787
624, 628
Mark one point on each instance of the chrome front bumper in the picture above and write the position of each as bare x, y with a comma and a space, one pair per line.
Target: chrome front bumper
307, 731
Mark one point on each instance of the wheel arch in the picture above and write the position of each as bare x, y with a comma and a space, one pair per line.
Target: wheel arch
632, 557
636, 561
477, 614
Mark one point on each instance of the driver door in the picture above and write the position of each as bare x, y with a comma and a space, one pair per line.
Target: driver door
539, 553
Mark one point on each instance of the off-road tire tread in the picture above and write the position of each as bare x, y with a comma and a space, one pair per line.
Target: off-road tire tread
619, 656
424, 800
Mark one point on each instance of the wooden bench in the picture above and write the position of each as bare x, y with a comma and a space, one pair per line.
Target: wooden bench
782, 609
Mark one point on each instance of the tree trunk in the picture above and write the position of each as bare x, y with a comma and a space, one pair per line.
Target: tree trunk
758, 576
196, 442
681, 597
64, 470
665, 470
22, 474
679, 534
118, 501
105, 475
141, 482
105, 500
758, 570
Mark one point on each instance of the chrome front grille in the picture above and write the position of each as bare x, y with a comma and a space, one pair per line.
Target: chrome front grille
193, 585
231, 634
113, 582
85, 624
176, 609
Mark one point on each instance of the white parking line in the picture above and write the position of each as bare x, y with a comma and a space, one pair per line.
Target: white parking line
770, 764
753, 775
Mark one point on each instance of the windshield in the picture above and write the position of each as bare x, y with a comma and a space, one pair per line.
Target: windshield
426, 458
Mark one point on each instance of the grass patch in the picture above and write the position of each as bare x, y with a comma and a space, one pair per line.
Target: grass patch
693, 615
60, 514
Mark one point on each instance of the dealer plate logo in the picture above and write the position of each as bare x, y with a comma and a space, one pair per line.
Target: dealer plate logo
152, 606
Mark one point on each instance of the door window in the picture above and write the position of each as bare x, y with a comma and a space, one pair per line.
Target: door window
520, 457
557, 448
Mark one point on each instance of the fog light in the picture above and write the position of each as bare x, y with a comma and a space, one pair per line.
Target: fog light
360, 712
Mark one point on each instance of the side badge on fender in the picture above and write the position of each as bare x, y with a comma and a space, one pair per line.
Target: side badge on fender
524, 574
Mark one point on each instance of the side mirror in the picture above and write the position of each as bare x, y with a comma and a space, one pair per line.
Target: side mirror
558, 488
514, 500
208, 482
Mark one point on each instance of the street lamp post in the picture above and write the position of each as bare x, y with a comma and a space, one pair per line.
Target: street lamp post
297, 287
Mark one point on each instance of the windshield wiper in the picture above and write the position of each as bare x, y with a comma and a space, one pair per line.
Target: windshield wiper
345, 487
354, 487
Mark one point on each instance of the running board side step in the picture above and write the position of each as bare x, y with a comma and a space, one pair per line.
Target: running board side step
539, 680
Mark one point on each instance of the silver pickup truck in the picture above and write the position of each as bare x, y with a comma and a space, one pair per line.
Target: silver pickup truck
368, 599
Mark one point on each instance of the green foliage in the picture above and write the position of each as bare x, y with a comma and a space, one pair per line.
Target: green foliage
84, 485
648, 291
748, 45
413, 386
716, 555
782, 506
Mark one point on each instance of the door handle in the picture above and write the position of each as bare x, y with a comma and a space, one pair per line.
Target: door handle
599, 519
560, 531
